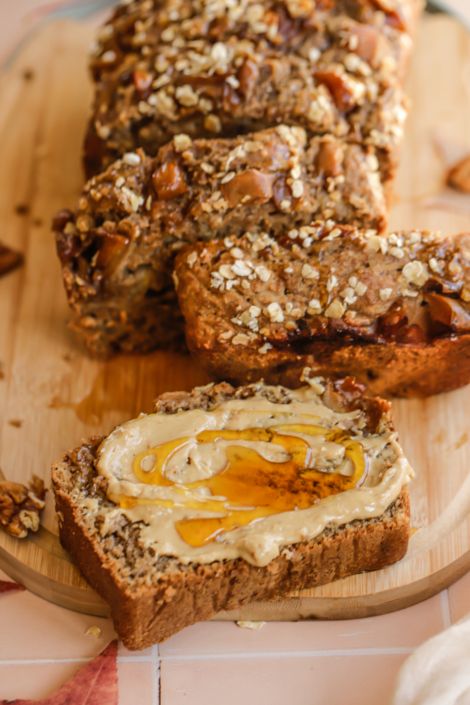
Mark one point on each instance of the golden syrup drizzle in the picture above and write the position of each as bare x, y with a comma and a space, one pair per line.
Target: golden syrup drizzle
250, 487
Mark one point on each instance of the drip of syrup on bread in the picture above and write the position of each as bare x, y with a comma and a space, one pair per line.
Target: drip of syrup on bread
251, 487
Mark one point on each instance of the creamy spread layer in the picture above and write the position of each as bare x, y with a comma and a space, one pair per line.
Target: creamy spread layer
250, 476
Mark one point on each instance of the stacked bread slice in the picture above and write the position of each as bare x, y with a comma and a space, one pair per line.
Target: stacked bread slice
117, 248
218, 69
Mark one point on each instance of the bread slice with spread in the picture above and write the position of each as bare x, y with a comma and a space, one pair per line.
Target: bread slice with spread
394, 311
228, 495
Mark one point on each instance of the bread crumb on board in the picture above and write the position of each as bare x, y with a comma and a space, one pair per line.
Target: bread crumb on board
247, 624
93, 631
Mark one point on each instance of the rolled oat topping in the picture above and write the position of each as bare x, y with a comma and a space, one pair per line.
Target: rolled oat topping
360, 289
206, 68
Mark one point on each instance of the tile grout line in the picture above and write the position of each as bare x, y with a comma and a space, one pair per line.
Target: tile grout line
155, 658
445, 608
156, 674
134, 659
371, 651
45, 661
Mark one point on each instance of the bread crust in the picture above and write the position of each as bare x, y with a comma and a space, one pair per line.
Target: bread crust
149, 609
390, 370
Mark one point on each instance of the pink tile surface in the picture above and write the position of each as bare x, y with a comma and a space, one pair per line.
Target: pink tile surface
277, 681
137, 682
144, 655
34, 680
214, 662
459, 598
406, 629
44, 631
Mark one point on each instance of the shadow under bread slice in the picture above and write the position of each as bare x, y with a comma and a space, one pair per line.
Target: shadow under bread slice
394, 311
228, 495
221, 69
117, 247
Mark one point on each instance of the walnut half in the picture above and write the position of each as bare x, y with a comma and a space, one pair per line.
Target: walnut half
9, 259
20, 506
459, 175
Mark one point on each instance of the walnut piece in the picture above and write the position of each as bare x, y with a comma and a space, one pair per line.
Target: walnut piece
459, 175
9, 259
20, 506
338, 87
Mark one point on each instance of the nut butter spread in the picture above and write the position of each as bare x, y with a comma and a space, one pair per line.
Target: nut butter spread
250, 476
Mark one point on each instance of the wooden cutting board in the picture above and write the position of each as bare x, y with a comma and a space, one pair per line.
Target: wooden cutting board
52, 395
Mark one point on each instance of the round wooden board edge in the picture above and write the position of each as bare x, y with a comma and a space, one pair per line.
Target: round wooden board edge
75, 598
353, 607
87, 601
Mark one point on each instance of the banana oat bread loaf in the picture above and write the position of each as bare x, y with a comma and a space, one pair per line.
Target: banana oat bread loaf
117, 248
212, 68
394, 311
226, 496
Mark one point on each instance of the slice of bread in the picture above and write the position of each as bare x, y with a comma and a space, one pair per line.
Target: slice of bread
118, 247
152, 591
393, 311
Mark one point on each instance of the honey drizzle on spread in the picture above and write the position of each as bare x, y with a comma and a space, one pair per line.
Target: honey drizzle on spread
250, 487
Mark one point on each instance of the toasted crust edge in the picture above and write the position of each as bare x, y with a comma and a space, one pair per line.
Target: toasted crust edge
391, 370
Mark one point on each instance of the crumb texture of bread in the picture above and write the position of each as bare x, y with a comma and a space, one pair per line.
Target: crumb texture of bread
393, 310
152, 596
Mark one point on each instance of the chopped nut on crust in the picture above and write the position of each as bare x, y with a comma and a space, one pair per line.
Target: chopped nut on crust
20, 507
